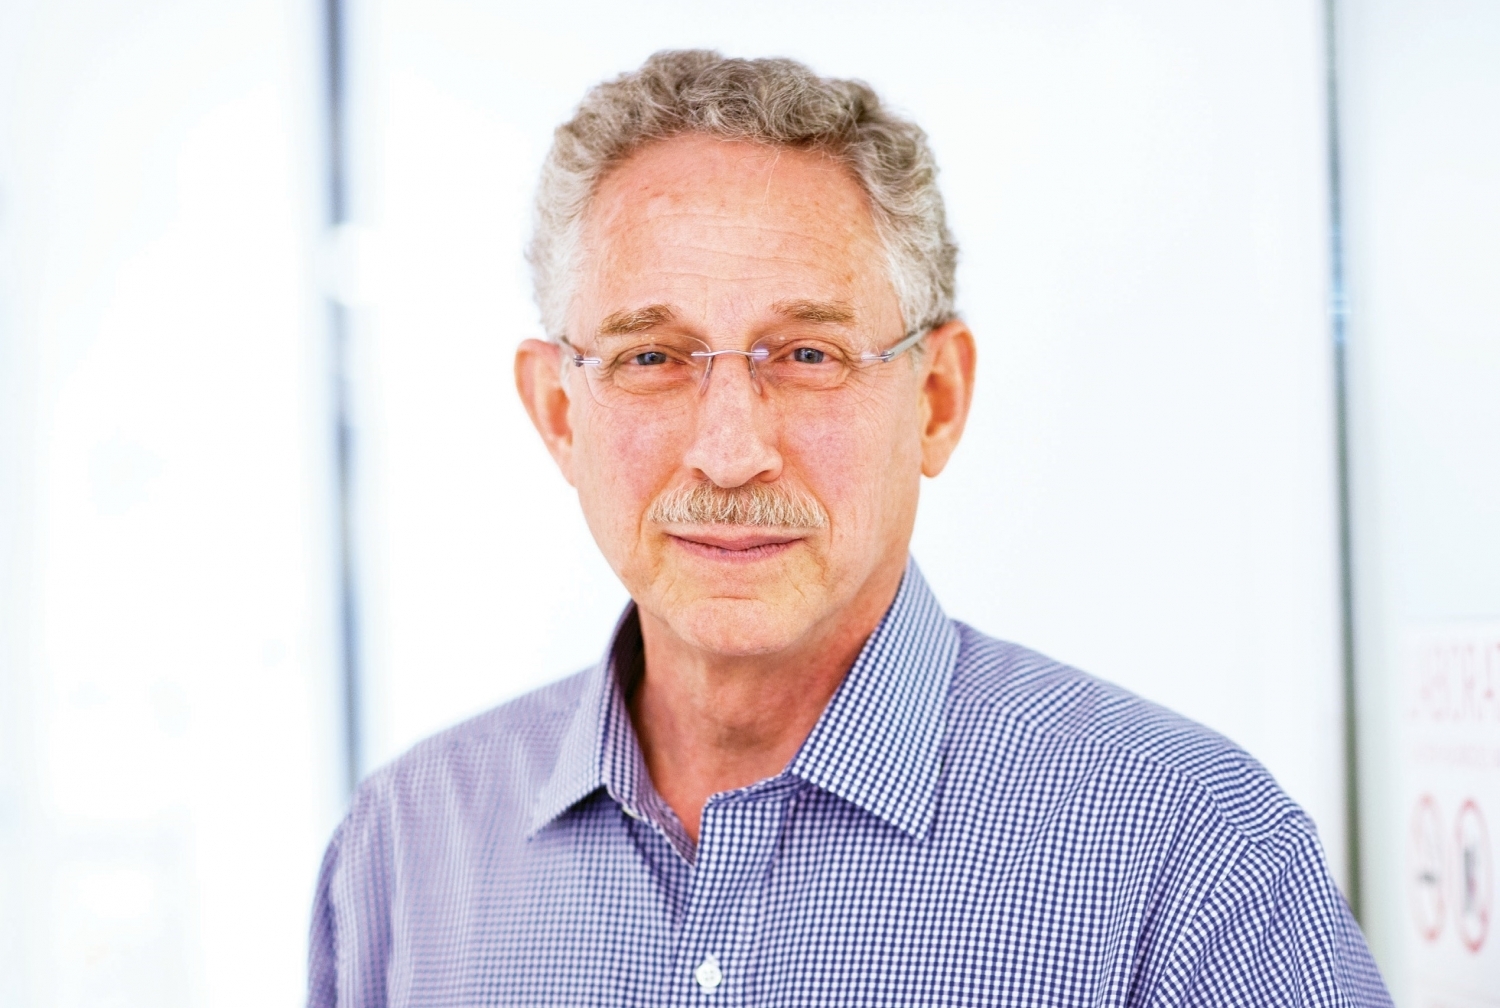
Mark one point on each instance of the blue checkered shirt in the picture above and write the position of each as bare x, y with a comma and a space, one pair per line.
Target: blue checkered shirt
968, 823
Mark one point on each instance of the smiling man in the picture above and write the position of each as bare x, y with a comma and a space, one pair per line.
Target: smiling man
792, 780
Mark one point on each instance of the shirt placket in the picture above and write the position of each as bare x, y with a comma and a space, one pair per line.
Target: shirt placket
716, 950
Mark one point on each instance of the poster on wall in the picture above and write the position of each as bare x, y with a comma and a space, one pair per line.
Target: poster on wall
1451, 748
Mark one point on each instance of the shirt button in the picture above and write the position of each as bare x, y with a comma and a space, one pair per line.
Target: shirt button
708, 975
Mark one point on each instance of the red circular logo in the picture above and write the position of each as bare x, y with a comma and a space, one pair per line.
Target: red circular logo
1473, 876
1424, 866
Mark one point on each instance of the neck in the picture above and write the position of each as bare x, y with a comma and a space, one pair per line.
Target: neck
709, 723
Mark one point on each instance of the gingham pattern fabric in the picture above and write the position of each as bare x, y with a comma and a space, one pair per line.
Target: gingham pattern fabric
969, 823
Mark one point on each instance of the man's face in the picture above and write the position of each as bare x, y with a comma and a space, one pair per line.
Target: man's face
730, 243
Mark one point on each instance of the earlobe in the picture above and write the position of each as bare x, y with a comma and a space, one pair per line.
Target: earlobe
947, 392
539, 383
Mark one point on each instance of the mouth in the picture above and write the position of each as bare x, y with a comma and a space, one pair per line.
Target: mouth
734, 543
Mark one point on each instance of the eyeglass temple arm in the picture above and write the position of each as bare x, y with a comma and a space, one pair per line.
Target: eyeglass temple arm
886, 356
579, 360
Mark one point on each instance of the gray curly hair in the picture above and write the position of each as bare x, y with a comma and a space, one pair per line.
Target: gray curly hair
772, 101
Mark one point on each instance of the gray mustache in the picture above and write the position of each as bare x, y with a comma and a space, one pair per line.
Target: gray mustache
764, 505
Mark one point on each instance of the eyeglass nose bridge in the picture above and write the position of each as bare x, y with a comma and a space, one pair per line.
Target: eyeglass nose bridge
751, 356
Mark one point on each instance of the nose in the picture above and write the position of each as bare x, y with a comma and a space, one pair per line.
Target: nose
735, 427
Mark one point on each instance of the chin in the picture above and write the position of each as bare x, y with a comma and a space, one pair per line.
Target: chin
741, 628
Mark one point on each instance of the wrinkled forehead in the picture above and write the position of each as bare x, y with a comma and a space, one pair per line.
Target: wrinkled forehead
724, 230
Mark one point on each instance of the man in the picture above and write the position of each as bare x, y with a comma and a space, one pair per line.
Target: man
792, 780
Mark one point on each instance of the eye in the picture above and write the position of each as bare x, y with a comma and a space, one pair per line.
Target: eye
809, 355
648, 358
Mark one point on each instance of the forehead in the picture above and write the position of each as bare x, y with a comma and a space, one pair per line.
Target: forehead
714, 227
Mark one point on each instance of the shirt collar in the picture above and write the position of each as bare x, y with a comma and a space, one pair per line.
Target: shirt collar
579, 770
599, 748
877, 745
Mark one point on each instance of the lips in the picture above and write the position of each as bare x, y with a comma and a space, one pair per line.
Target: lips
732, 542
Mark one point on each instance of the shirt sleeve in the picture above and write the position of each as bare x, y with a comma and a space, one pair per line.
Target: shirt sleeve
351, 936
1275, 932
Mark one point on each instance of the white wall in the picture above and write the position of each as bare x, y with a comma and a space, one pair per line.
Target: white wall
168, 731
1420, 109
1147, 489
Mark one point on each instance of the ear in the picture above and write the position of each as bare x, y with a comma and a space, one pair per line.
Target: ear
539, 381
947, 390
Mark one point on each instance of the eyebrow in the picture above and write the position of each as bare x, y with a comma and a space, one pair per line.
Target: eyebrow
634, 320
815, 311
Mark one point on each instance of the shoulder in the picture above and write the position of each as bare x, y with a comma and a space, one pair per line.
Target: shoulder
498, 758
1026, 694
1235, 901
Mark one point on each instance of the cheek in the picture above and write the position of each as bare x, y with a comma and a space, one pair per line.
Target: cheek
622, 464
854, 460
